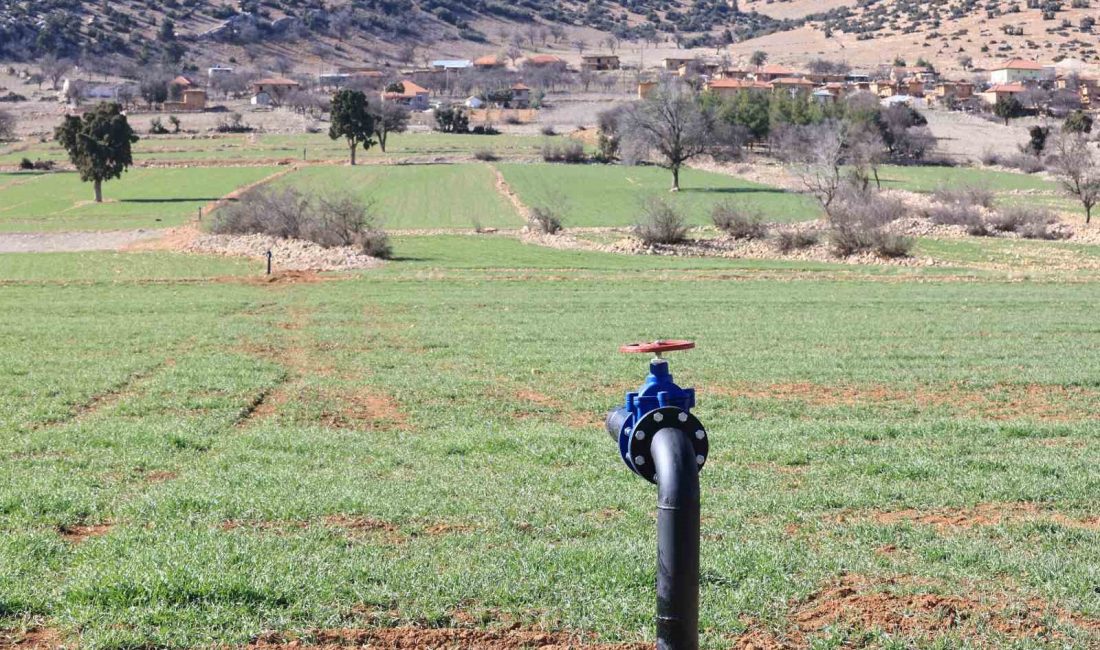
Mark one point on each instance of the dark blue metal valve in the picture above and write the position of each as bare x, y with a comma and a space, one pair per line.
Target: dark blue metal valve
661, 441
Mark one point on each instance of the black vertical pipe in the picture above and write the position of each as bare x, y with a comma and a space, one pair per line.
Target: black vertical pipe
677, 540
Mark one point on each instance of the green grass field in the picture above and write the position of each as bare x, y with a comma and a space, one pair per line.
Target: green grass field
613, 195
422, 445
307, 147
142, 198
418, 196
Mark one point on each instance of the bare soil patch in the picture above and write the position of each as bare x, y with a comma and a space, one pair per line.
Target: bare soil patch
512, 638
982, 514
75, 534
1040, 402
364, 408
74, 242
35, 638
905, 607
508, 193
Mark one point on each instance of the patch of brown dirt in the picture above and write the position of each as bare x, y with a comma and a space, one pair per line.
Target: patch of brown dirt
35, 638
505, 190
983, 514
447, 529
1000, 402
77, 533
159, 476
366, 408
174, 239
900, 606
402, 638
289, 277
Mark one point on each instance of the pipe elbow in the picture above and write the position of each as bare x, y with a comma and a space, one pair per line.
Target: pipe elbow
677, 468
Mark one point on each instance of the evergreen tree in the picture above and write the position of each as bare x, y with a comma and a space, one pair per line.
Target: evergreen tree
98, 144
352, 120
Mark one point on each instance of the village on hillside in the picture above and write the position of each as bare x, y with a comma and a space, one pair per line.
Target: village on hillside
519, 84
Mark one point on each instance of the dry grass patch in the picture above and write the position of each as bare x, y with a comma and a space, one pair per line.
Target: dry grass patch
906, 607
511, 638
77, 533
1040, 402
35, 638
982, 514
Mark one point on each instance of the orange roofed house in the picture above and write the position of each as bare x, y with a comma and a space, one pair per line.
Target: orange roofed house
731, 87
544, 61
414, 96
1016, 71
266, 92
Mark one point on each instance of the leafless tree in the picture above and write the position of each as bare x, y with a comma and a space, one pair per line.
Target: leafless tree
580, 45
54, 69
1076, 167
281, 64
558, 32
673, 123
7, 125
866, 153
612, 43
513, 54
816, 155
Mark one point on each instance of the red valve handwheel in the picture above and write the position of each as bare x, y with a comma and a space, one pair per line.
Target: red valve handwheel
658, 347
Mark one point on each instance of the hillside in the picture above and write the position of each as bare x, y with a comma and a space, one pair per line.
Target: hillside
954, 34
354, 30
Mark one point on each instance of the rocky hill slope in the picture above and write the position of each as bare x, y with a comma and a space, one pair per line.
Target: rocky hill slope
150, 30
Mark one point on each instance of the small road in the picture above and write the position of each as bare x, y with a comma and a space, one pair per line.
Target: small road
70, 242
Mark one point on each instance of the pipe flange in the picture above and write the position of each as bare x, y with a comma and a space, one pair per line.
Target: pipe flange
639, 457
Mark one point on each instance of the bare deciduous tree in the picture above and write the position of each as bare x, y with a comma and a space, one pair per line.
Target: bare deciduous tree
1077, 170
672, 122
816, 155
7, 125
54, 69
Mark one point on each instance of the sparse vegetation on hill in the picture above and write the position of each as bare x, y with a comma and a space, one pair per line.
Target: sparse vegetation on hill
147, 30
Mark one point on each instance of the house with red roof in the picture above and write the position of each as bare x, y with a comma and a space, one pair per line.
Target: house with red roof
544, 61
414, 96
996, 92
1016, 71
489, 62
731, 87
773, 71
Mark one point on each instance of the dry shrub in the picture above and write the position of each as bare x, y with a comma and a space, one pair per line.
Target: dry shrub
569, 152
1029, 222
660, 224
790, 240
737, 223
966, 195
858, 223
486, 155
545, 220
328, 220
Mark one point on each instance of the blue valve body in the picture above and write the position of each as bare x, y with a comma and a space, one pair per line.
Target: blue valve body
658, 391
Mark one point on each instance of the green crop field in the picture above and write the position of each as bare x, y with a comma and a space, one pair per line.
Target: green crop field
613, 195
191, 458
418, 196
142, 198
308, 147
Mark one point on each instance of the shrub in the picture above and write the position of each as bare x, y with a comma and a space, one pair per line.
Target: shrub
965, 195
7, 125
513, 120
233, 124
858, 223
485, 155
545, 220
957, 214
1027, 221
328, 220
660, 224
156, 127
1023, 162
41, 165
569, 152
737, 223
990, 158
548, 130
485, 129
789, 240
